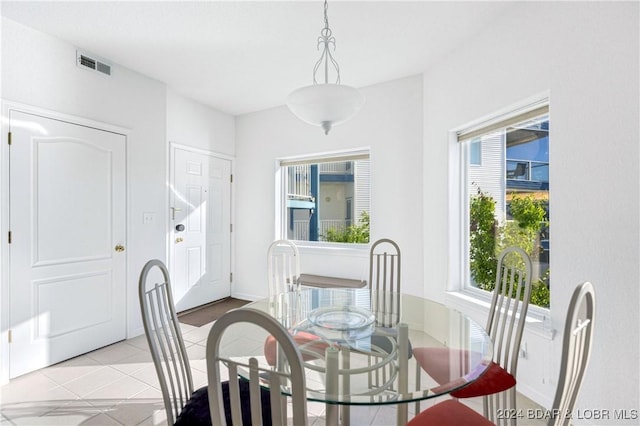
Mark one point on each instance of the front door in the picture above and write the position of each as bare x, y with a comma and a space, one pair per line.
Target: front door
67, 222
200, 235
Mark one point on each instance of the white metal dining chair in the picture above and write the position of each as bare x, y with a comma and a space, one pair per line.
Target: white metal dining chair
164, 337
384, 293
283, 267
384, 281
505, 325
576, 351
289, 379
183, 405
284, 276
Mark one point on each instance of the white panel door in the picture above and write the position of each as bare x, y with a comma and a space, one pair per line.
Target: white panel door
67, 216
200, 228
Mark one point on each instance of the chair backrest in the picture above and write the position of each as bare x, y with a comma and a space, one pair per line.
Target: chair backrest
509, 306
384, 281
576, 350
283, 267
291, 378
164, 337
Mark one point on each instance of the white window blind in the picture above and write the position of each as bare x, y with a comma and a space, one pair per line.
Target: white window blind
326, 158
502, 121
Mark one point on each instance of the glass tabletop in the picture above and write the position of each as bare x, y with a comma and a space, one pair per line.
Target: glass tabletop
373, 335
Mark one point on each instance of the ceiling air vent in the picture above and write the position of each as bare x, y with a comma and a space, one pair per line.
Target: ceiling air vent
87, 62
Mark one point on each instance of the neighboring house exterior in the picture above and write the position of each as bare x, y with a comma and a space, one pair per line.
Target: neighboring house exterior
513, 162
486, 172
324, 196
502, 164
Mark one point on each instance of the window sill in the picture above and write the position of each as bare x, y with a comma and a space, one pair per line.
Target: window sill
478, 302
332, 248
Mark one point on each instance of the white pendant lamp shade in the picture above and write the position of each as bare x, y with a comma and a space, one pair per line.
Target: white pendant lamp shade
325, 105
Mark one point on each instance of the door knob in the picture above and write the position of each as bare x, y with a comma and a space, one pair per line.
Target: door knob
119, 248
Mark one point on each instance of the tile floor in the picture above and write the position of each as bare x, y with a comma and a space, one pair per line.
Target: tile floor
117, 385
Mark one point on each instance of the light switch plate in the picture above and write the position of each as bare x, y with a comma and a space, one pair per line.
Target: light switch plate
148, 218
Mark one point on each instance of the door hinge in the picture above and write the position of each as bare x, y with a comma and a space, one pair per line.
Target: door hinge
10, 336
10, 237
9, 139
231, 177
230, 277
231, 227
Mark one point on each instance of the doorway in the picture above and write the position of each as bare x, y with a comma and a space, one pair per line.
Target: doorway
200, 226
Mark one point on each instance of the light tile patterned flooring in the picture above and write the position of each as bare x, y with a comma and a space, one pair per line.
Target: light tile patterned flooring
117, 385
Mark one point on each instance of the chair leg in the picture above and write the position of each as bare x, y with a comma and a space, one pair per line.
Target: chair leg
284, 408
512, 393
418, 374
504, 401
403, 370
346, 385
487, 406
332, 411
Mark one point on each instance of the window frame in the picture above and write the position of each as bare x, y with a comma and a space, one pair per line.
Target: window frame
281, 194
459, 290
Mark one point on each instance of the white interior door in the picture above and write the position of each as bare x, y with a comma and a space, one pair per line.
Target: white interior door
67, 222
200, 227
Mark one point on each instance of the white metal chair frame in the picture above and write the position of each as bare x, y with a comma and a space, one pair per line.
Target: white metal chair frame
384, 294
505, 325
283, 267
293, 378
384, 278
576, 351
165, 340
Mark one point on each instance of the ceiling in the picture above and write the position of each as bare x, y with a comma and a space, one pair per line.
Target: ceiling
241, 56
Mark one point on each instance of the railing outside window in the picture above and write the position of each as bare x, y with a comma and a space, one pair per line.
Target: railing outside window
537, 171
299, 182
301, 228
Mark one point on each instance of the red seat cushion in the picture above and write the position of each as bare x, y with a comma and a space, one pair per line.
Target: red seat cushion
311, 347
494, 379
448, 387
449, 413
443, 364
439, 363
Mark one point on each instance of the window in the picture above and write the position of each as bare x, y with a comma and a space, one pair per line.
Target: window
506, 196
475, 153
326, 198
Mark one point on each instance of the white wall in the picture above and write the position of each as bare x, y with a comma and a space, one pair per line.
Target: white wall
586, 56
390, 124
40, 71
199, 126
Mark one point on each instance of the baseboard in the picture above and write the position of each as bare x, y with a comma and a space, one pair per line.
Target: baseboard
135, 332
244, 296
544, 400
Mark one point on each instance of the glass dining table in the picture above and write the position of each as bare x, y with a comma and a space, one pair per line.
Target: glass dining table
357, 347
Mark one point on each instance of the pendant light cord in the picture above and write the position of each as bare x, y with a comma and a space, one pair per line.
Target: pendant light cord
325, 40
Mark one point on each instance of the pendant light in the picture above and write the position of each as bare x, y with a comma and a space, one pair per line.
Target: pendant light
325, 104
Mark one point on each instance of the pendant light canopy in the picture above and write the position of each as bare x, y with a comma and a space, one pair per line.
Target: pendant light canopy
325, 104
